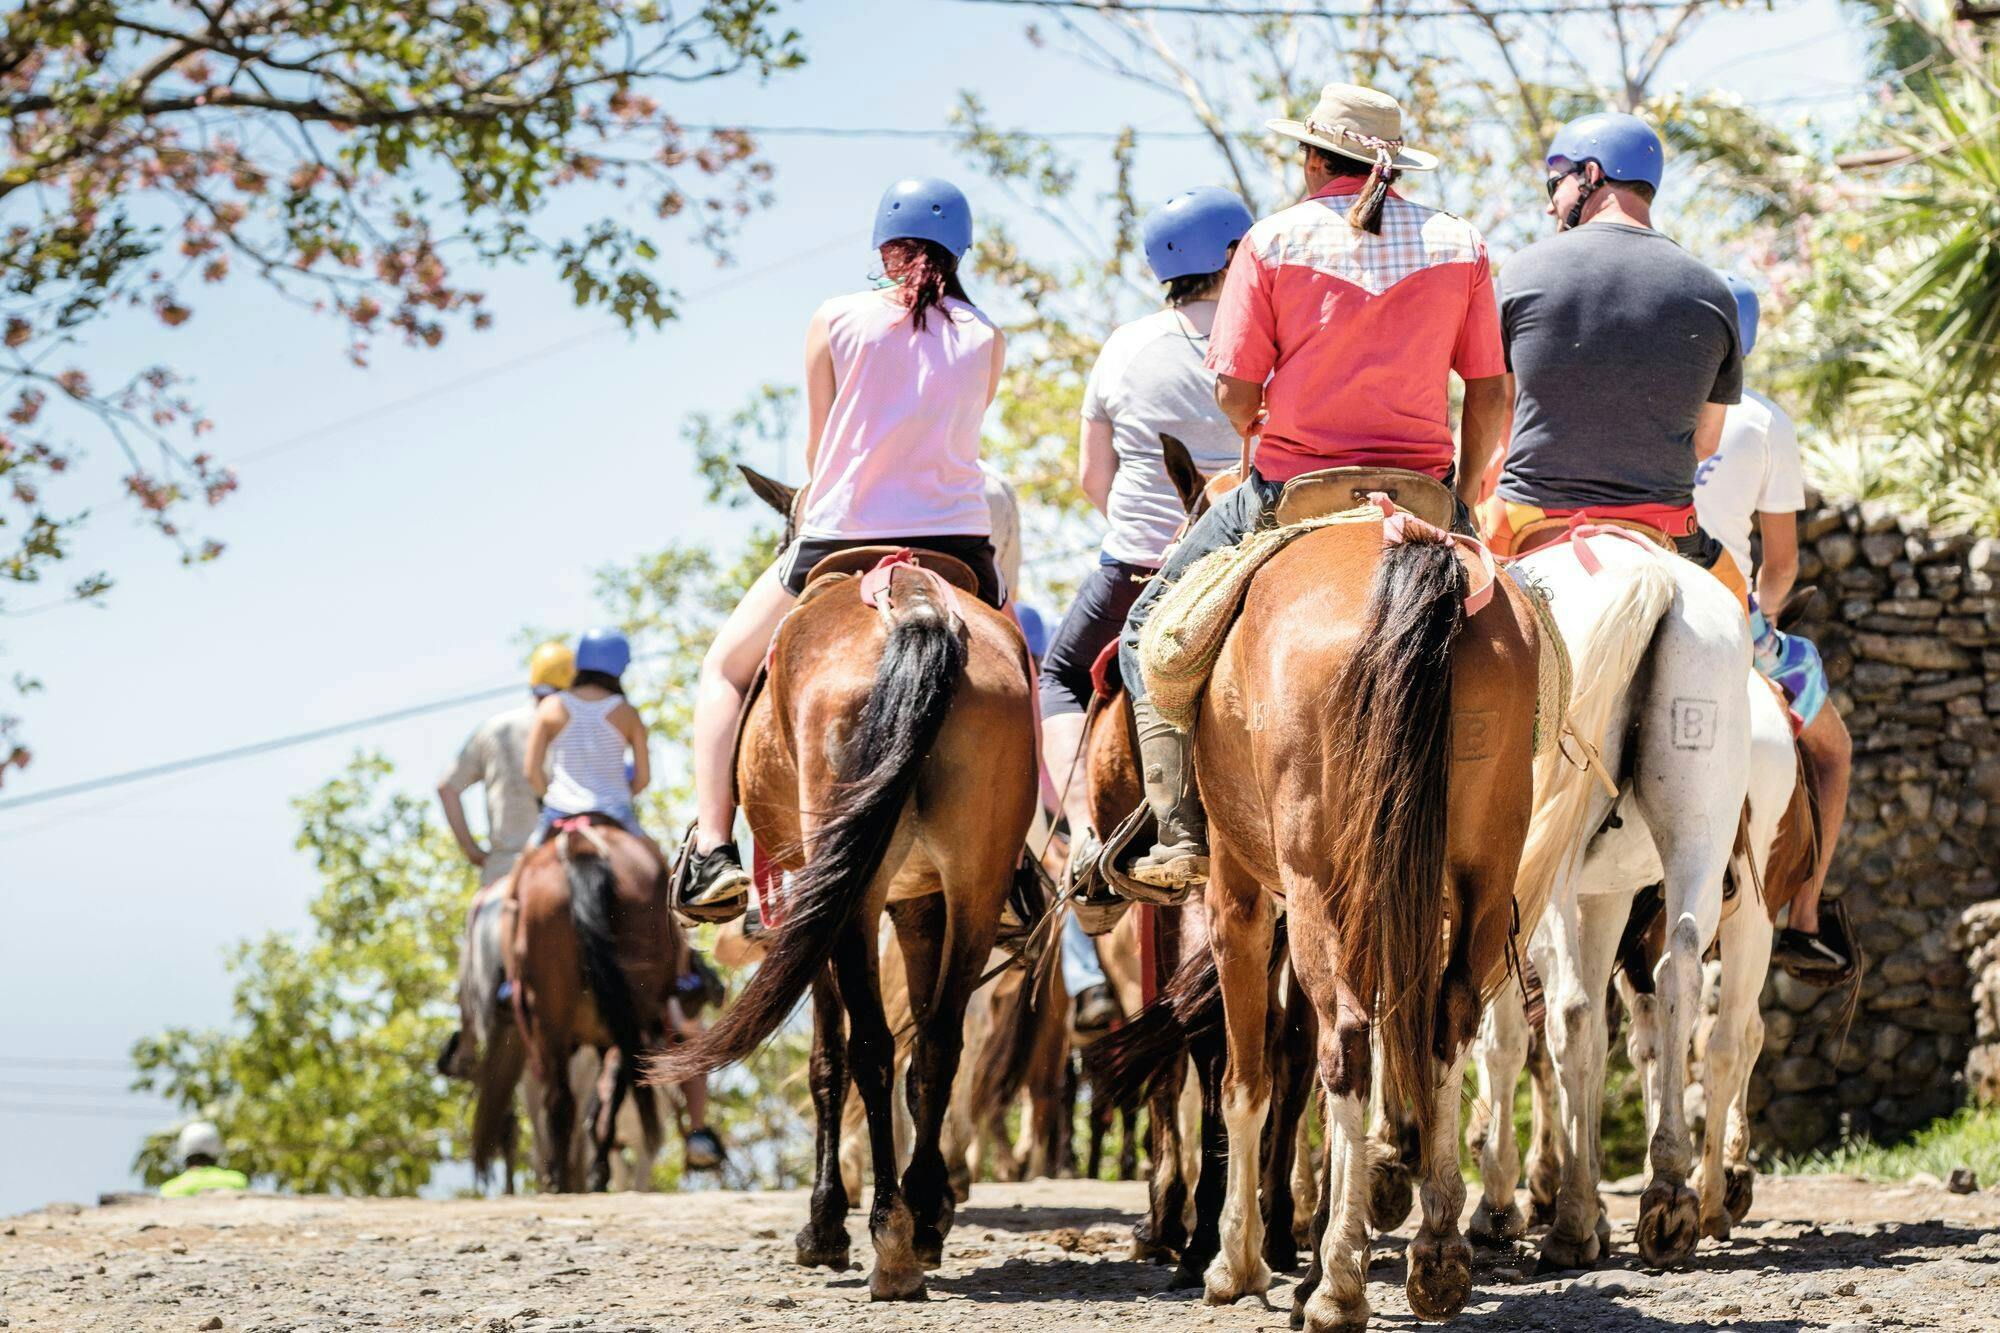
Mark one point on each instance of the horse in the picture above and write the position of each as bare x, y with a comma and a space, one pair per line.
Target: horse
594, 959
888, 763
1363, 749
1655, 641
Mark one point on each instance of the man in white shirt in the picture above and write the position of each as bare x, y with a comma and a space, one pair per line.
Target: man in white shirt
1755, 473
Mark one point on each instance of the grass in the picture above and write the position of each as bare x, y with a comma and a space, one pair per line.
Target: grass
1969, 1138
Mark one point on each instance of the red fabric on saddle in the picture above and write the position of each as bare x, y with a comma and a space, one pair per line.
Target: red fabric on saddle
570, 823
769, 877
1101, 683
1674, 520
1580, 533
875, 584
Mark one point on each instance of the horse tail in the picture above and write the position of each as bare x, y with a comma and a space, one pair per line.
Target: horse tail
1128, 1063
494, 1127
905, 711
1604, 664
1010, 1043
593, 895
1390, 715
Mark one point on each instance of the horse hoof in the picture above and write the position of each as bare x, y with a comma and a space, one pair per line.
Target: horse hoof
1186, 1276
961, 1183
1669, 1224
813, 1253
1440, 1280
1561, 1255
1391, 1195
1323, 1314
897, 1285
1739, 1187
1541, 1212
1220, 1286
1715, 1228
1496, 1227
929, 1257
1281, 1257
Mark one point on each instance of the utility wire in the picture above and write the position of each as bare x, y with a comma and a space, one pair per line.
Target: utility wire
64, 1062
1390, 14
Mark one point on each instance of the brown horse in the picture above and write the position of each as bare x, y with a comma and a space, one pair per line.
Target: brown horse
889, 763
594, 959
1363, 749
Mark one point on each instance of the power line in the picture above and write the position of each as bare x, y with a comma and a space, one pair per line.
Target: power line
1391, 14
114, 1112
259, 747
63, 1062
941, 132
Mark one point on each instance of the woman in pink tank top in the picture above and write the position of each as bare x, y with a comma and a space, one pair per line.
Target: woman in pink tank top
897, 382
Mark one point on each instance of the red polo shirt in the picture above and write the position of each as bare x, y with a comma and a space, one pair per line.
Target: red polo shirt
1352, 334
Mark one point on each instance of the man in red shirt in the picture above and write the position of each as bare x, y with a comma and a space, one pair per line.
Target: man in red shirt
1341, 323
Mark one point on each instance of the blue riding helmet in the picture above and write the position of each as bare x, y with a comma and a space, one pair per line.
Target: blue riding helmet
605, 650
1033, 628
924, 208
1746, 309
1622, 145
1191, 233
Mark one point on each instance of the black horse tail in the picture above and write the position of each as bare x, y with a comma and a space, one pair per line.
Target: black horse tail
1389, 715
1126, 1064
1011, 1041
593, 894
906, 707
494, 1127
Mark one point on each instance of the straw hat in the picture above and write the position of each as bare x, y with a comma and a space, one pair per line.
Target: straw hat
1359, 123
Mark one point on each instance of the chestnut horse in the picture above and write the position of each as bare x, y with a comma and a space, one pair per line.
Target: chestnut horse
1364, 749
889, 764
594, 959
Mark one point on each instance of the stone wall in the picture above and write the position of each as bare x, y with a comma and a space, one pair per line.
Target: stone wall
1909, 624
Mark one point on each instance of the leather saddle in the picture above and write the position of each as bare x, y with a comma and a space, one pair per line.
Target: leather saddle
1335, 490
857, 560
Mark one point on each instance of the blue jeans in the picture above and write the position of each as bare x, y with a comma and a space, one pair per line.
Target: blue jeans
1229, 522
1080, 967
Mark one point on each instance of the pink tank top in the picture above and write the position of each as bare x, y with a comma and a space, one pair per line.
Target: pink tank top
900, 454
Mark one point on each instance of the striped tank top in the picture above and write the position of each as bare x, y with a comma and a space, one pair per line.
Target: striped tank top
587, 759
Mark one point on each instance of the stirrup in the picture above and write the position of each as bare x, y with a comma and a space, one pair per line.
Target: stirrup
1021, 916
1139, 822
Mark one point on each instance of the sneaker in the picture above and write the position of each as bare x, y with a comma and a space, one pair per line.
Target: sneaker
1096, 1009
713, 885
1807, 953
704, 1151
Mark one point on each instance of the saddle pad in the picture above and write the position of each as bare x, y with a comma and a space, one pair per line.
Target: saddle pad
1183, 637
1336, 490
1552, 664
861, 559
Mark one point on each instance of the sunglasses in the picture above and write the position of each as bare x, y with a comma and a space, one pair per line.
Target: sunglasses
1555, 182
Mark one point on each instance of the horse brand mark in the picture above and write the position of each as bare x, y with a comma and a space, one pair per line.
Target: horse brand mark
1472, 735
1694, 724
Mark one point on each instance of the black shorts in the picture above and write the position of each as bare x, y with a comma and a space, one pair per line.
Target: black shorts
1095, 618
976, 552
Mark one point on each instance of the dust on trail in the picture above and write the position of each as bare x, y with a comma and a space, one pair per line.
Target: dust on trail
1818, 1252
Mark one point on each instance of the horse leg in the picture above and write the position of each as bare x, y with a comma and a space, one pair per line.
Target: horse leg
1337, 1299
614, 1081
1128, 1144
1315, 1232
1160, 1235
1500, 1051
1292, 1076
1582, 938
1210, 1169
1545, 1153
1732, 1052
937, 966
1394, 1155
823, 1239
558, 1166
1241, 928
871, 1054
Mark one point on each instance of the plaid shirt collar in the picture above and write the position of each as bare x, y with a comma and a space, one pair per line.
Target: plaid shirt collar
1340, 185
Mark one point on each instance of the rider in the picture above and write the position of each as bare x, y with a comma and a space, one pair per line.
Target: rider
1340, 325
1755, 470
578, 744
199, 1151
898, 379
1149, 379
494, 757
1624, 353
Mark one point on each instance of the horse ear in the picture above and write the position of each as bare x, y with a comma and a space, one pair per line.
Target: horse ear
1181, 471
768, 489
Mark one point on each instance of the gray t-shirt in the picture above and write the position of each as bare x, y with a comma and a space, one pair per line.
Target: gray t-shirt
1148, 379
496, 758
1616, 337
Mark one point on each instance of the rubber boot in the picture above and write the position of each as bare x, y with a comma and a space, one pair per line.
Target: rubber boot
1180, 858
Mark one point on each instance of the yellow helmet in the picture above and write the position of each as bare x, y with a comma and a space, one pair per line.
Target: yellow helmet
551, 667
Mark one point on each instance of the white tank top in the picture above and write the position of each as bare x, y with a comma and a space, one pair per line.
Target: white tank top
900, 453
587, 759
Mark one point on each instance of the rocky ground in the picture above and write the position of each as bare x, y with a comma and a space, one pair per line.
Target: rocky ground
1819, 1252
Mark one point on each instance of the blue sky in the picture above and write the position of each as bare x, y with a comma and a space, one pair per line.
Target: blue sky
394, 560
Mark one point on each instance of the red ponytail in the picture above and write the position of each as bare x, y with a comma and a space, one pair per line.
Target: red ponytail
927, 273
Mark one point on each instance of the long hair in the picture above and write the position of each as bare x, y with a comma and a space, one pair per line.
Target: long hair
1389, 790
1365, 213
906, 708
927, 273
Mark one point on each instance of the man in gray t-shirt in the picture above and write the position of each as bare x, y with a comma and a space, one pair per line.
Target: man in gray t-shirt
1623, 347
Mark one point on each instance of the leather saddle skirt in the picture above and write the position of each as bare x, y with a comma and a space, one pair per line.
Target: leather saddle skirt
1337, 489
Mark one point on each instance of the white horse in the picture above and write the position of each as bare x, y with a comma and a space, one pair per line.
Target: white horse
1661, 654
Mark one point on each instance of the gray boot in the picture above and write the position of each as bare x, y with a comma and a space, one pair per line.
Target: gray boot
1166, 761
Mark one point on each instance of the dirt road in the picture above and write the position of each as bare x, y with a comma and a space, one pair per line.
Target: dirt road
1819, 1252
